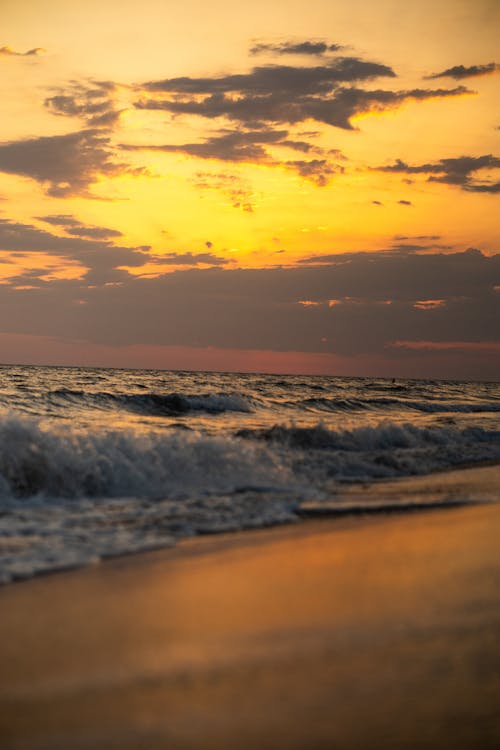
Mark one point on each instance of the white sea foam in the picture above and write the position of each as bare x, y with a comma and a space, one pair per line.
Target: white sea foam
63, 462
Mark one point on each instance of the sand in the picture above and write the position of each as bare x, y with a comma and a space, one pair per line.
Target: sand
350, 633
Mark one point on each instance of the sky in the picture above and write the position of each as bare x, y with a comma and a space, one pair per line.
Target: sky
282, 186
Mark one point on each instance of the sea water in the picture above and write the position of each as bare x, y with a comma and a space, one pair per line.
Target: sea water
101, 462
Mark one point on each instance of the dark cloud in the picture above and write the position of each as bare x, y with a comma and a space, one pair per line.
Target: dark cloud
193, 259
60, 220
456, 171
9, 52
299, 146
234, 145
295, 48
418, 247
281, 93
458, 72
377, 203
286, 94
317, 170
362, 304
91, 101
66, 165
423, 237
75, 228
405, 203
96, 233
270, 79
490, 187
99, 255
250, 147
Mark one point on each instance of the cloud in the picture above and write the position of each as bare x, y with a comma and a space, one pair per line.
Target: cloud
193, 259
295, 48
75, 228
458, 72
60, 220
250, 147
96, 233
302, 146
285, 94
454, 171
418, 247
271, 79
462, 346
90, 247
92, 101
405, 203
66, 165
423, 237
232, 186
317, 170
234, 145
375, 305
9, 52
491, 187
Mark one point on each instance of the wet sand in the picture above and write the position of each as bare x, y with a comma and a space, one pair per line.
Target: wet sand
349, 633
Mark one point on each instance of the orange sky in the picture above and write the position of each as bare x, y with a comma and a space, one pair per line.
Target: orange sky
153, 139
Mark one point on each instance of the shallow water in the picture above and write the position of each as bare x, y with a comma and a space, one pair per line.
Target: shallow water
97, 462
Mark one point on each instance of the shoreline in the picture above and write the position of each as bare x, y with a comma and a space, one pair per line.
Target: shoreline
351, 632
440, 490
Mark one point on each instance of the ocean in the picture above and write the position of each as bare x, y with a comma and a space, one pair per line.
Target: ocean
102, 462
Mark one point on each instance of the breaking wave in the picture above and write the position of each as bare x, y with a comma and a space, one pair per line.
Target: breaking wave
62, 462
155, 404
72, 495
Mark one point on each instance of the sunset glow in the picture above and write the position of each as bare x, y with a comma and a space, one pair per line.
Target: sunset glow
316, 183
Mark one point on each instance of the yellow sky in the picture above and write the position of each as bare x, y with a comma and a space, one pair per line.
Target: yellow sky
186, 135
254, 208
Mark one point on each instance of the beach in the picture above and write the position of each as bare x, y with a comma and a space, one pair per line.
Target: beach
352, 632
250, 375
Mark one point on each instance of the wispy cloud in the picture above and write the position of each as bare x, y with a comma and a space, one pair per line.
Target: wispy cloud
232, 186
459, 346
252, 146
9, 52
459, 72
75, 228
193, 259
453, 171
306, 47
91, 101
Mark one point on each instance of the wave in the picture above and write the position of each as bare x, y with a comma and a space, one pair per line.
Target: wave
386, 451
71, 496
58, 461
155, 404
64, 462
373, 404
384, 436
